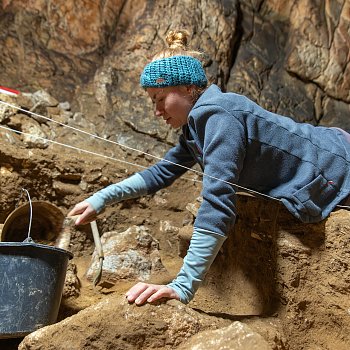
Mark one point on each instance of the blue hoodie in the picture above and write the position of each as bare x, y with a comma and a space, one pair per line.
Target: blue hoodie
237, 141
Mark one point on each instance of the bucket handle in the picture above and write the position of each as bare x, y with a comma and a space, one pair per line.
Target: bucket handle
29, 239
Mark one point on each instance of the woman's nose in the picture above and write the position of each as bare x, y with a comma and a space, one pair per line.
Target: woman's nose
158, 112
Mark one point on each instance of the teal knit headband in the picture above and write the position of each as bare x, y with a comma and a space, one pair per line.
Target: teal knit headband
173, 71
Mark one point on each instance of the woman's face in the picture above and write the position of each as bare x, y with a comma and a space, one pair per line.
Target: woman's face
172, 103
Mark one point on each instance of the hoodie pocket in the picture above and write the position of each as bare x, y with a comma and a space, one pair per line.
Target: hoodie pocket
316, 195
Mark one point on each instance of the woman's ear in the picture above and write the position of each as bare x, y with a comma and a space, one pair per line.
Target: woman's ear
192, 90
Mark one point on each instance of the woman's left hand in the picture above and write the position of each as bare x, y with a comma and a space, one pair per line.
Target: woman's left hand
145, 292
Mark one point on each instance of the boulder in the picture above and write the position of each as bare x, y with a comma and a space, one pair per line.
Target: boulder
129, 255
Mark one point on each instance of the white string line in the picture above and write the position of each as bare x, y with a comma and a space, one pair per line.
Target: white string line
133, 149
128, 147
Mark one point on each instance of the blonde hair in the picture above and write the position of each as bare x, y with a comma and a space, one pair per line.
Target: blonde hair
177, 41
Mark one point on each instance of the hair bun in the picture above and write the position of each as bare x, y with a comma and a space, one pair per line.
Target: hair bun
177, 39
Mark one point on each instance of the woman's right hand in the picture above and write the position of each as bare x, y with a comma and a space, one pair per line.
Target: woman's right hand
85, 211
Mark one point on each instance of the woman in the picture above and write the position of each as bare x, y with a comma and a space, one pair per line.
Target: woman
235, 142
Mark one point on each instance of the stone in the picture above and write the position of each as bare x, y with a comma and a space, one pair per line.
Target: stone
33, 134
237, 336
43, 98
65, 106
129, 255
113, 323
7, 111
71, 284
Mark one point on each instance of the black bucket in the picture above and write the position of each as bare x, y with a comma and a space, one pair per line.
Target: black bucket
31, 283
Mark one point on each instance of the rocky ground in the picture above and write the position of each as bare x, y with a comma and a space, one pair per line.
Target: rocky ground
81, 123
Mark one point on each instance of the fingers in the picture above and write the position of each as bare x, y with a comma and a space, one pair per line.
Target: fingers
85, 211
86, 218
164, 292
134, 294
78, 209
144, 292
